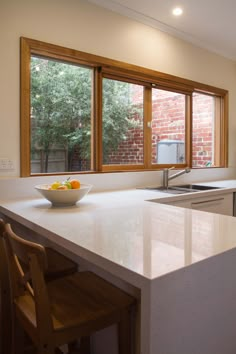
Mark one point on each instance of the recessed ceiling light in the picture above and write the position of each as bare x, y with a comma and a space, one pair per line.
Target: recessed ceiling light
177, 11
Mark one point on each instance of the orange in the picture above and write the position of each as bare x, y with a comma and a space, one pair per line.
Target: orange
75, 183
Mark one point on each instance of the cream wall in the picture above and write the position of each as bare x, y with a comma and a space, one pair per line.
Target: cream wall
80, 25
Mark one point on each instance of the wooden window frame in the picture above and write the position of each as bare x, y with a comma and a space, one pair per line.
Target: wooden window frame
104, 67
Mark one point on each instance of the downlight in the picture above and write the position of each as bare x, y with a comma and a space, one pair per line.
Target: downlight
177, 11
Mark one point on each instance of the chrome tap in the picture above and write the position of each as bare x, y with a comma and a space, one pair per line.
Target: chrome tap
167, 178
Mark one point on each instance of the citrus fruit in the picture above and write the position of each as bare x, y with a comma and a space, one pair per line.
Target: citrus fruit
55, 185
75, 183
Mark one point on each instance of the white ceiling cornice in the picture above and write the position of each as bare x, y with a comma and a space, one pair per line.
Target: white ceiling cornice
148, 20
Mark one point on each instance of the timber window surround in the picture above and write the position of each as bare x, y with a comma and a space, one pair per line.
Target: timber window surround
85, 113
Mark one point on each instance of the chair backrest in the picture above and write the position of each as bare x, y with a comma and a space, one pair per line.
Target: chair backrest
30, 283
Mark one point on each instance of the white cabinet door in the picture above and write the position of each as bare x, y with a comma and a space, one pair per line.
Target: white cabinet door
219, 204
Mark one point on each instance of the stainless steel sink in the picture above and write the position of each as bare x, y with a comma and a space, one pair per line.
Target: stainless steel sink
184, 188
196, 187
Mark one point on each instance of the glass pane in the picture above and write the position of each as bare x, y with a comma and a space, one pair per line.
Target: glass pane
122, 122
203, 130
61, 96
168, 127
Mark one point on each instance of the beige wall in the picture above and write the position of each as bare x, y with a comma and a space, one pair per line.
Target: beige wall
80, 25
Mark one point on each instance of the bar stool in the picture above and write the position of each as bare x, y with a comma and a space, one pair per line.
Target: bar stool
65, 309
58, 266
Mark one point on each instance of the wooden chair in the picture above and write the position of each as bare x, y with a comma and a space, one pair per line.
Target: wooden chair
65, 309
58, 266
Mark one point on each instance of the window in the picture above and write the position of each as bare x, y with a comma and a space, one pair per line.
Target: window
122, 123
204, 141
61, 119
84, 113
168, 127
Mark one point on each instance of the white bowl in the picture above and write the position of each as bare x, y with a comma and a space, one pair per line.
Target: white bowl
64, 197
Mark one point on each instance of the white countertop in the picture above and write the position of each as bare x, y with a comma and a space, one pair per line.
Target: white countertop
124, 233
179, 262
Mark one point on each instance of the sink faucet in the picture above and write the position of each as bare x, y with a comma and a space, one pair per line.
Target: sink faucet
167, 178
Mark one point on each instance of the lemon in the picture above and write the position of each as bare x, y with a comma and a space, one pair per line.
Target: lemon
55, 185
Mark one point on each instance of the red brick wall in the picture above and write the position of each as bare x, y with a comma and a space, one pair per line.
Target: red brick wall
168, 123
130, 151
203, 139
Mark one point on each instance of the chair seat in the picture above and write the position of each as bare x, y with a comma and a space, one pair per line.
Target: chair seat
91, 297
82, 300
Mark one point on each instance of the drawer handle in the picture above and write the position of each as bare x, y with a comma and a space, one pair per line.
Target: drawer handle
208, 201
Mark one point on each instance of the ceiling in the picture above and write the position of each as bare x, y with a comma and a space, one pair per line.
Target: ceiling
206, 23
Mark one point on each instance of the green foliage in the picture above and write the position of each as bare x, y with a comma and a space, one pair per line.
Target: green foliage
61, 109
118, 114
61, 106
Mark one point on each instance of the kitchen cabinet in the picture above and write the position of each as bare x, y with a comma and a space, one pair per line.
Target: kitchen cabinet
217, 203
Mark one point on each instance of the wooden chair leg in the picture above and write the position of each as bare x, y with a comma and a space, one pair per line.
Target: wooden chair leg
6, 322
46, 349
18, 338
85, 345
72, 347
83, 348
58, 351
124, 333
29, 348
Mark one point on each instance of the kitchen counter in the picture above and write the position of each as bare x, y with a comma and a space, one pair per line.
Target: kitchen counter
126, 231
178, 258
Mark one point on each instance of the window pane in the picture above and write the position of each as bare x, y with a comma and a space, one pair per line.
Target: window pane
122, 122
61, 96
168, 127
203, 130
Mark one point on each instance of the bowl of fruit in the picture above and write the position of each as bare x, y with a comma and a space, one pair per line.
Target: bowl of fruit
64, 193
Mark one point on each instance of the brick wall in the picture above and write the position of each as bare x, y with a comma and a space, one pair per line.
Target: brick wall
168, 123
130, 151
203, 139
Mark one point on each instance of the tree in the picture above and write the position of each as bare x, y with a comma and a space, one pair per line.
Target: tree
61, 96
118, 114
